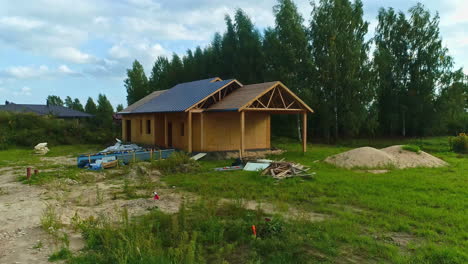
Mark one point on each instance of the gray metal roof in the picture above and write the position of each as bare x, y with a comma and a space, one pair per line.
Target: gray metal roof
182, 96
59, 111
142, 101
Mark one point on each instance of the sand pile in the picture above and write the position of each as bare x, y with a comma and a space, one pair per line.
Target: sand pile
365, 157
408, 159
394, 156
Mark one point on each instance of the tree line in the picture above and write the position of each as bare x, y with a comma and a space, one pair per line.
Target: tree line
400, 82
102, 123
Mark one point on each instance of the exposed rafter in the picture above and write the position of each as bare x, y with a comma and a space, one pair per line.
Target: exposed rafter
276, 99
216, 96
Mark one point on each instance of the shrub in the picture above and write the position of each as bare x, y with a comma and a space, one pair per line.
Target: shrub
459, 143
28, 129
412, 148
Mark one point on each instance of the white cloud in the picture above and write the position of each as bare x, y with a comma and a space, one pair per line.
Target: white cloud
26, 72
25, 91
64, 69
73, 55
34, 72
21, 23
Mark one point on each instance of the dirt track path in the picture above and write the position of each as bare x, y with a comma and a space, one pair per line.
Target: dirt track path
21, 208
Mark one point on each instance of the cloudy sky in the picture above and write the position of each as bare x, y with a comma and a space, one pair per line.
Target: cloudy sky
82, 48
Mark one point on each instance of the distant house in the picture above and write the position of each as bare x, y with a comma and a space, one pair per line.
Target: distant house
55, 110
211, 115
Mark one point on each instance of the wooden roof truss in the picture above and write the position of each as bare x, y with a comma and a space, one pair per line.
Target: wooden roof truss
216, 97
276, 99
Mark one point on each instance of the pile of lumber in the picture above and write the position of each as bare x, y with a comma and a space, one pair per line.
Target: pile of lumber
283, 169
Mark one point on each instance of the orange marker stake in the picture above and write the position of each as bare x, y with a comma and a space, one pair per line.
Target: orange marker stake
254, 230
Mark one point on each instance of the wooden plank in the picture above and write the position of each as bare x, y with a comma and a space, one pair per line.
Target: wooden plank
242, 132
304, 131
189, 131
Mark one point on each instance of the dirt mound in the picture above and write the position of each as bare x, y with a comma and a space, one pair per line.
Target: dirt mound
408, 159
365, 157
394, 156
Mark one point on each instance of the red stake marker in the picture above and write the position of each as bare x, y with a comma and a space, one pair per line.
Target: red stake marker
254, 230
156, 196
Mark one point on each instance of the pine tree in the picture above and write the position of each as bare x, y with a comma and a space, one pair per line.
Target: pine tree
249, 54
159, 75
229, 48
68, 102
54, 100
287, 56
90, 106
77, 105
136, 83
342, 75
104, 111
119, 108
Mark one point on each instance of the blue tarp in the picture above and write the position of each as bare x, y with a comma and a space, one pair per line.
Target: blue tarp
125, 157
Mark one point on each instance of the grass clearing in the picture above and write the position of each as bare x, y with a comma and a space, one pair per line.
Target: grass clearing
415, 215
26, 156
427, 203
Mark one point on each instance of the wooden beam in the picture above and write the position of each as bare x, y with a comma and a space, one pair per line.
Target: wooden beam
189, 131
275, 109
213, 93
201, 132
281, 85
166, 138
261, 103
271, 96
304, 131
282, 99
242, 133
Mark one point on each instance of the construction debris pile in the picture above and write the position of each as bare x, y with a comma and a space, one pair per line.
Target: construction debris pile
41, 148
277, 169
119, 147
283, 169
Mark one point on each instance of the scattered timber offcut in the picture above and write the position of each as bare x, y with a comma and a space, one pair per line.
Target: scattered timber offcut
283, 169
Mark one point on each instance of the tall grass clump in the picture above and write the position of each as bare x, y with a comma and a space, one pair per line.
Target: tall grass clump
202, 233
412, 148
177, 162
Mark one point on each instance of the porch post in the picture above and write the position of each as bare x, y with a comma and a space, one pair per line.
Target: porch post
201, 132
189, 131
304, 131
166, 140
242, 132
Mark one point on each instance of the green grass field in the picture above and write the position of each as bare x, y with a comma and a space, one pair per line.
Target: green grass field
417, 215
427, 204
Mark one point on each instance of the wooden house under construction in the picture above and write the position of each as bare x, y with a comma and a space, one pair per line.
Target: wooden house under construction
211, 115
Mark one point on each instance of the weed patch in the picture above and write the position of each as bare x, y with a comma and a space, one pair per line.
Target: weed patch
412, 148
178, 162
